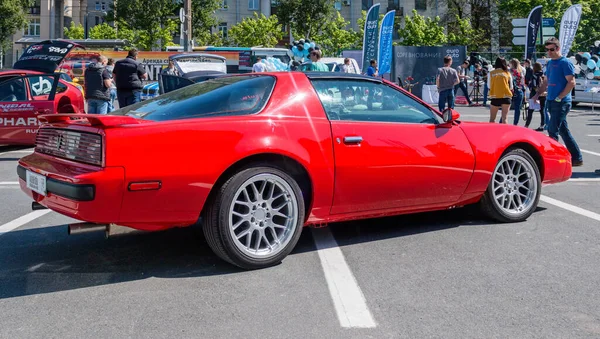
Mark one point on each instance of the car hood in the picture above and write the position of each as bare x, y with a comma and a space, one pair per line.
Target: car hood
45, 56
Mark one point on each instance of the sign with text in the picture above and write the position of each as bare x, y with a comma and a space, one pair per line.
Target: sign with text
422, 63
370, 37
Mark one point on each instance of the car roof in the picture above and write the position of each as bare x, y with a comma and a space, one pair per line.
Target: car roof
196, 55
342, 76
18, 71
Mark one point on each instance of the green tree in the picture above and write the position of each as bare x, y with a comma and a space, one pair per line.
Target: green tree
589, 26
420, 31
74, 31
150, 20
257, 31
102, 31
335, 36
203, 22
106, 31
12, 19
462, 33
306, 17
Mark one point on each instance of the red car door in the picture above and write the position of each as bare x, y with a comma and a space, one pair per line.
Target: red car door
390, 150
22, 100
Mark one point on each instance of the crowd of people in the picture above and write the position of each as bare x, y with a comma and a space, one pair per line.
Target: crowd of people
107, 80
549, 92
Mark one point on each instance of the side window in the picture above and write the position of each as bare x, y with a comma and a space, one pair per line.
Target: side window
13, 90
40, 86
61, 88
227, 96
356, 100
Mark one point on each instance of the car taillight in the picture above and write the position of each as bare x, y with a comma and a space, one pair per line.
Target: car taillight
68, 144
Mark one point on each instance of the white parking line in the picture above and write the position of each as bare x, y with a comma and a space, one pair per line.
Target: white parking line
348, 299
584, 179
11, 225
590, 152
593, 135
20, 151
572, 208
9, 182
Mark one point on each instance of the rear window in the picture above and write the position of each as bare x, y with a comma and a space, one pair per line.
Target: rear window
228, 96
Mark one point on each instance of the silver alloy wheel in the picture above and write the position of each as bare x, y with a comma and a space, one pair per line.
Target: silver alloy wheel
514, 185
263, 215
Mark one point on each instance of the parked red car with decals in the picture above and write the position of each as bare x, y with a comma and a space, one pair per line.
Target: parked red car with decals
33, 88
256, 157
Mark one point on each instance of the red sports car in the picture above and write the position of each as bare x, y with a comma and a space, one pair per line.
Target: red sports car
256, 157
33, 88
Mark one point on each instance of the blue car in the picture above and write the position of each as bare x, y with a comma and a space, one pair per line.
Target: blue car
150, 91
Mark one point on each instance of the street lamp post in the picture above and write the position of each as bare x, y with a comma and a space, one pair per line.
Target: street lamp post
87, 20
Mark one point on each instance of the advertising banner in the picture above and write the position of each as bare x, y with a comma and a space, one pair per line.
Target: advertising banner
422, 63
370, 37
534, 22
385, 43
568, 28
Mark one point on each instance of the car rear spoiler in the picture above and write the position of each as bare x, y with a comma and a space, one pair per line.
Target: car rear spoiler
90, 119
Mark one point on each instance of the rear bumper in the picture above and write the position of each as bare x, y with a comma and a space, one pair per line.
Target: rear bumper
76, 192
87, 193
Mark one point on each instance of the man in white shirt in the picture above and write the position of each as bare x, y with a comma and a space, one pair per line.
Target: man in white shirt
258, 66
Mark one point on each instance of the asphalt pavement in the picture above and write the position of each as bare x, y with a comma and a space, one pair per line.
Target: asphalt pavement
450, 274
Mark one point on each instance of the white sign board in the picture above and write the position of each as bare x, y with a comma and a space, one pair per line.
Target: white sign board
520, 31
519, 22
520, 40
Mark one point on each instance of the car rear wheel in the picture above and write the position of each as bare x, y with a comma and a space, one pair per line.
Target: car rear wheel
514, 190
256, 218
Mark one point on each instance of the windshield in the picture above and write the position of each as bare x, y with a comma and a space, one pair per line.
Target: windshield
227, 96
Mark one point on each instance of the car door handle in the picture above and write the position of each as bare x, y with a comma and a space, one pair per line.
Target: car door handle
353, 140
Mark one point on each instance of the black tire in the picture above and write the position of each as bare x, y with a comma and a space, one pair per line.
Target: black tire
490, 206
216, 220
574, 103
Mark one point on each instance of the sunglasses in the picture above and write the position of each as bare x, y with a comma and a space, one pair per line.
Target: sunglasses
550, 49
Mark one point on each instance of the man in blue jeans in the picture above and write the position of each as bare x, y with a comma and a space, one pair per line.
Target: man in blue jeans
446, 79
128, 75
560, 72
97, 86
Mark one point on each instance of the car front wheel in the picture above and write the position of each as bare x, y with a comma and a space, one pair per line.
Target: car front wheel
514, 190
256, 218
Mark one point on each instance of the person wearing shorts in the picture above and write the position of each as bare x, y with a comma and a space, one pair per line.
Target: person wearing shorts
500, 85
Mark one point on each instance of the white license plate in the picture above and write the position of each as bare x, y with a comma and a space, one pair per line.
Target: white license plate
36, 183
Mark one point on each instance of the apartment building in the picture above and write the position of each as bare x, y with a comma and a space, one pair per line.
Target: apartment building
234, 11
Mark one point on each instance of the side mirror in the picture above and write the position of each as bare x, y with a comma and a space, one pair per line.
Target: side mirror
450, 115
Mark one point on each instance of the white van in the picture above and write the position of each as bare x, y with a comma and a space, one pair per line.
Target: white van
335, 65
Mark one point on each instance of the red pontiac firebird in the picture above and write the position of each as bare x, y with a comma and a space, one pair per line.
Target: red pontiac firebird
33, 88
256, 157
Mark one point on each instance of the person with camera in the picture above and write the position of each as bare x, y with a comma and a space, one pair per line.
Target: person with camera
481, 73
462, 84
537, 99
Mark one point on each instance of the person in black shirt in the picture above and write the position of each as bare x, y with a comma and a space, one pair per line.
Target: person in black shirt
97, 86
128, 75
481, 74
528, 71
